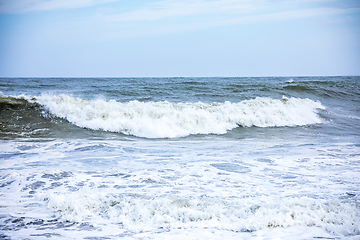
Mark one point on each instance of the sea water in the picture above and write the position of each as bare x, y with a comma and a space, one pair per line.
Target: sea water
175, 158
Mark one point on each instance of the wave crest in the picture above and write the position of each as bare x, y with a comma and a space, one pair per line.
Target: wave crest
170, 120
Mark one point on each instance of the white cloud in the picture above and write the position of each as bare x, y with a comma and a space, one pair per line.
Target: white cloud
155, 22
229, 10
294, 14
19, 6
176, 8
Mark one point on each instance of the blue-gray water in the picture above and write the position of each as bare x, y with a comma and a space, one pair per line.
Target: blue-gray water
99, 158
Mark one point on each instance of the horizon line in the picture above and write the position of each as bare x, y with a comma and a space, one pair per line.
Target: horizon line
182, 76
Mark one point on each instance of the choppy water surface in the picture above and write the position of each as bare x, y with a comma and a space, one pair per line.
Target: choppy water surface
233, 158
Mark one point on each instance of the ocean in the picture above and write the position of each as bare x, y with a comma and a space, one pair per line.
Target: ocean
180, 158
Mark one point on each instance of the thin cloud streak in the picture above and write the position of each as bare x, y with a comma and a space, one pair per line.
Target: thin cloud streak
292, 14
167, 9
207, 23
174, 27
231, 11
22, 6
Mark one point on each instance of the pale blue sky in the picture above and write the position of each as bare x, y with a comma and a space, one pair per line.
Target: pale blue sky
157, 38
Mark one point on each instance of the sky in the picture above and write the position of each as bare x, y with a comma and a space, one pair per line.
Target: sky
173, 38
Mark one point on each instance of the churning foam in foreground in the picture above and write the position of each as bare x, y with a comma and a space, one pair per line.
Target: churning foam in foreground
168, 120
140, 213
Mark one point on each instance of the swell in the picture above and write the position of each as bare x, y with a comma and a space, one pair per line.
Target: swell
328, 89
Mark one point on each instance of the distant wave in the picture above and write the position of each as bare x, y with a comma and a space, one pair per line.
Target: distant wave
171, 120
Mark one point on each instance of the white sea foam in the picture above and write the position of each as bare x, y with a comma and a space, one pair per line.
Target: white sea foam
169, 120
138, 213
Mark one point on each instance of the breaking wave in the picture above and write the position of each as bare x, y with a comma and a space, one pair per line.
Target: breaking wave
160, 119
170, 120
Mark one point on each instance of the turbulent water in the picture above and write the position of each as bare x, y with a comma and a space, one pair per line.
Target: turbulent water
175, 158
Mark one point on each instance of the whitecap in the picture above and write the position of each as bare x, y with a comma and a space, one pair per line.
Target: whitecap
140, 213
